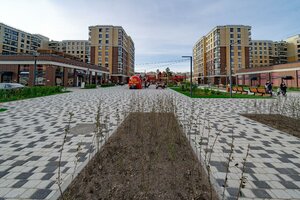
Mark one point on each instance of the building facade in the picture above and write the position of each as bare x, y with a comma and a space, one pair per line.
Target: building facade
112, 49
199, 60
289, 73
293, 54
78, 48
267, 53
52, 68
13, 41
224, 46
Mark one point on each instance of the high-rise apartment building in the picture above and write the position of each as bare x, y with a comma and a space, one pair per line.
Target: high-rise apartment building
293, 54
225, 46
13, 41
78, 48
199, 60
113, 49
268, 53
57, 46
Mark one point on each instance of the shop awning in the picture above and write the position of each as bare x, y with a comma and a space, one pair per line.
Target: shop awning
6, 73
287, 77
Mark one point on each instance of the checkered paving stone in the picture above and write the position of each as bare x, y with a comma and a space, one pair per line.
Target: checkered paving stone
32, 131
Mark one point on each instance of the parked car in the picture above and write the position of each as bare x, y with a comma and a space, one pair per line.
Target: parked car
11, 86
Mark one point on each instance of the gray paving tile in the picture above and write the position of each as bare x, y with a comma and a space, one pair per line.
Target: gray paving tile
41, 194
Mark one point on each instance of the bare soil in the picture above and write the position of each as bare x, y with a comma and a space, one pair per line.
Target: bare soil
286, 124
147, 158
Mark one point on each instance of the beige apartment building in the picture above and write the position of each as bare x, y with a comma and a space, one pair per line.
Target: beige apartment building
78, 48
293, 53
267, 53
113, 49
199, 60
13, 41
223, 46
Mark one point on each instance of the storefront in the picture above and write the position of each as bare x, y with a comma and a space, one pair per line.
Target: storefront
289, 73
49, 70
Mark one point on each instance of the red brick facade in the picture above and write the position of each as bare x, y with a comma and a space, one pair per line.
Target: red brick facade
50, 70
289, 73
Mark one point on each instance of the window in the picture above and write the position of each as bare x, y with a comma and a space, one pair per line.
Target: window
239, 48
100, 29
100, 35
231, 29
239, 53
231, 36
100, 41
106, 65
106, 53
239, 36
106, 59
107, 35
239, 30
107, 41
107, 29
106, 47
239, 41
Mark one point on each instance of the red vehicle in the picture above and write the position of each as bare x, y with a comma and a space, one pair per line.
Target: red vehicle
135, 82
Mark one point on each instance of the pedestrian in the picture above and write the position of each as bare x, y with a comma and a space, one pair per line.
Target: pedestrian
268, 87
283, 88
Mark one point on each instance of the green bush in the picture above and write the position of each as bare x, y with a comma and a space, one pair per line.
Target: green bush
90, 86
171, 85
107, 85
29, 92
187, 85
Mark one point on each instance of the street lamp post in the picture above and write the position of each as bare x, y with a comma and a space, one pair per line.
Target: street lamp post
35, 54
191, 72
230, 71
230, 67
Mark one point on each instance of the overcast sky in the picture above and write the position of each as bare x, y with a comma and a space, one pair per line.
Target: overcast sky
162, 30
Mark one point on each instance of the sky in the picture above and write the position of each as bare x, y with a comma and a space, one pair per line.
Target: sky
162, 30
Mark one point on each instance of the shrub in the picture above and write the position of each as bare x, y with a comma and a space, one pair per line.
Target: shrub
107, 85
29, 92
90, 86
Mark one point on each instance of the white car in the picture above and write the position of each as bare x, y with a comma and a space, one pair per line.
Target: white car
11, 86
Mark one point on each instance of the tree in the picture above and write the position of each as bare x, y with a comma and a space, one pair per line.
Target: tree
169, 73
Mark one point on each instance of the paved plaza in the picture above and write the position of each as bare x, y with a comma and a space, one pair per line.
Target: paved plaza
32, 131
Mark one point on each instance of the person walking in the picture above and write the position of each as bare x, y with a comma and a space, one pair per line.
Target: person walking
268, 87
283, 88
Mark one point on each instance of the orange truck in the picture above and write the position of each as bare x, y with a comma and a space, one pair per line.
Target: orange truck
135, 82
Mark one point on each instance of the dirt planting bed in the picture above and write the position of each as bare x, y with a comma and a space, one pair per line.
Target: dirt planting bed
147, 158
282, 123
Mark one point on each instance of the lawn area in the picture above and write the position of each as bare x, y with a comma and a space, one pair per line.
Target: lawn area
207, 93
291, 89
2, 109
30, 92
